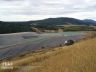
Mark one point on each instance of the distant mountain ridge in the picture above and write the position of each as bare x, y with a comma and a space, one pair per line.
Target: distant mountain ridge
90, 21
47, 24
56, 21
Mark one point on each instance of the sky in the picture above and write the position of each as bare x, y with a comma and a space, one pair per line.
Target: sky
25, 10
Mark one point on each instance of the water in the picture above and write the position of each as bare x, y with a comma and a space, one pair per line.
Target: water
73, 33
11, 39
67, 33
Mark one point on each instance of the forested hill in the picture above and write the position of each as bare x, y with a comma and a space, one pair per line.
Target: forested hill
56, 21
65, 20
11, 27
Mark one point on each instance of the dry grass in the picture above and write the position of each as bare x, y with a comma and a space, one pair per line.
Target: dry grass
80, 57
90, 34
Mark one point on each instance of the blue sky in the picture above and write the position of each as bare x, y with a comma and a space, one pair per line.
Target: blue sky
21, 10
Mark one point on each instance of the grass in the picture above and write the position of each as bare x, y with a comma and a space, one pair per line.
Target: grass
80, 57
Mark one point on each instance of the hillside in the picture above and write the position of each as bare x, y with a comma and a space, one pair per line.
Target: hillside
90, 21
48, 24
64, 21
80, 57
56, 21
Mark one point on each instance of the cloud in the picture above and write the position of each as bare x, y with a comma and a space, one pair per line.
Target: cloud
46, 8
